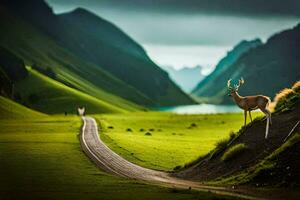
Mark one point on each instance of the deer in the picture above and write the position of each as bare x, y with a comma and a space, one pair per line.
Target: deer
249, 103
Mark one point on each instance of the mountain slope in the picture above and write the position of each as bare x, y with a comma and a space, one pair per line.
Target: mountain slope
11, 110
266, 68
113, 50
47, 95
38, 49
208, 87
12, 69
104, 47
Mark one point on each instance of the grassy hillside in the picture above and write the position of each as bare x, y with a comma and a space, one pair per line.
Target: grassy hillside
248, 158
163, 140
108, 47
47, 95
12, 110
266, 68
39, 50
12, 69
85, 53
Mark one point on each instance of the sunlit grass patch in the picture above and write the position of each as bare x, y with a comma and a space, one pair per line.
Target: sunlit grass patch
233, 152
41, 158
296, 86
287, 97
176, 141
264, 168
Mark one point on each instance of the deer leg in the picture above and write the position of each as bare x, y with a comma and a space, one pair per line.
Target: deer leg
250, 115
267, 128
269, 113
268, 116
245, 115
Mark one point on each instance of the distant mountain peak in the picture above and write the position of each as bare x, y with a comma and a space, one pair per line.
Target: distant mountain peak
83, 12
186, 77
246, 43
80, 10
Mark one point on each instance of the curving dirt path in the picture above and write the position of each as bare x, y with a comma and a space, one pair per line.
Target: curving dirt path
111, 162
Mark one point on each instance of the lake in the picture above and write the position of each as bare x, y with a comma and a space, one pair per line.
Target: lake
201, 109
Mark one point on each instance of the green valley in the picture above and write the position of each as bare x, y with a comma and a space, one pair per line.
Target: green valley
164, 141
41, 159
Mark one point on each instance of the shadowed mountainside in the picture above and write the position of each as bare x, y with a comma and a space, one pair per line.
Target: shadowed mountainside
12, 69
266, 69
208, 87
97, 52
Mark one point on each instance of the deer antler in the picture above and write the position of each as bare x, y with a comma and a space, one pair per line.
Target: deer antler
229, 84
241, 82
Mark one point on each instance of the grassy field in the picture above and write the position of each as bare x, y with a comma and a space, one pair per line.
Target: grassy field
12, 110
164, 140
41, 158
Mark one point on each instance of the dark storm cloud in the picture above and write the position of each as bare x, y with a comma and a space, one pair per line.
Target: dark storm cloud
222, 7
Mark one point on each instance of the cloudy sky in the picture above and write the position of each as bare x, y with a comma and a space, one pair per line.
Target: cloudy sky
187, 33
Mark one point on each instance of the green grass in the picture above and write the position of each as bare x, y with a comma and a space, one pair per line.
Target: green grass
41, 158
286, 98
266, 166
175, 140
12, 110
233, 151
47, 95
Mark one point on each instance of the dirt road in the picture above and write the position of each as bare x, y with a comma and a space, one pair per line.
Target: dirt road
111, 162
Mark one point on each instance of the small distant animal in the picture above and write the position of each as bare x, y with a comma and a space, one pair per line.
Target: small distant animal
249, 103
81, 111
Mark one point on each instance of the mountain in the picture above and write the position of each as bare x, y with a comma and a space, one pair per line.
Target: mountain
12, 69
187, 77
266, 68
208, 86
86, 51
36, 49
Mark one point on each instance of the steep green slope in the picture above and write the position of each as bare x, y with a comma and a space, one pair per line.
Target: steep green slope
101, 31
266, 68
12, 69
38, 49
105, 48
113, 50
11, 110
47, 95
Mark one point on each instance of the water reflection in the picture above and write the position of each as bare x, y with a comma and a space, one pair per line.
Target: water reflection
201, 109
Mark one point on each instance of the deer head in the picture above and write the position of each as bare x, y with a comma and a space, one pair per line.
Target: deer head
236, 87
